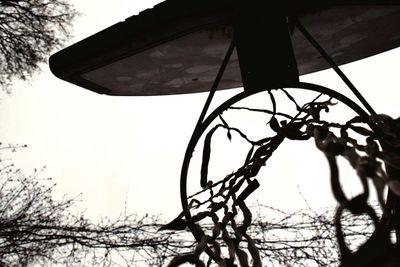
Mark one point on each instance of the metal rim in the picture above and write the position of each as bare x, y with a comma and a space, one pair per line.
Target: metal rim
201, 128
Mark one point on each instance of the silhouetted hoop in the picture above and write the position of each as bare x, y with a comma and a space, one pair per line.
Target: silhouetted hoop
201, 128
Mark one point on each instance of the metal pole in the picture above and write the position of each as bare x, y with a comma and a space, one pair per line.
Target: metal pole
332, 63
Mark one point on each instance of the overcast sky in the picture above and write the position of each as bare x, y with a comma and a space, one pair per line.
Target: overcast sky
117, 149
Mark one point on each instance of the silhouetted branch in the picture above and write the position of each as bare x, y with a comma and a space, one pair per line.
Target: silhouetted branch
35, 228
29, 31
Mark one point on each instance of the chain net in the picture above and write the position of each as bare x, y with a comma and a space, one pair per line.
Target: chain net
370, 145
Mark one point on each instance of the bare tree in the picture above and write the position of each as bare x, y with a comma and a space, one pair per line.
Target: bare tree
37, 229
29, 31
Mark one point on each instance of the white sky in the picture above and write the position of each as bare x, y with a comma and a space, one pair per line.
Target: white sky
113, 149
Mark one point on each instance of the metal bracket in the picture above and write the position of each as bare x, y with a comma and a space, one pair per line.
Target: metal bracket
263, 44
